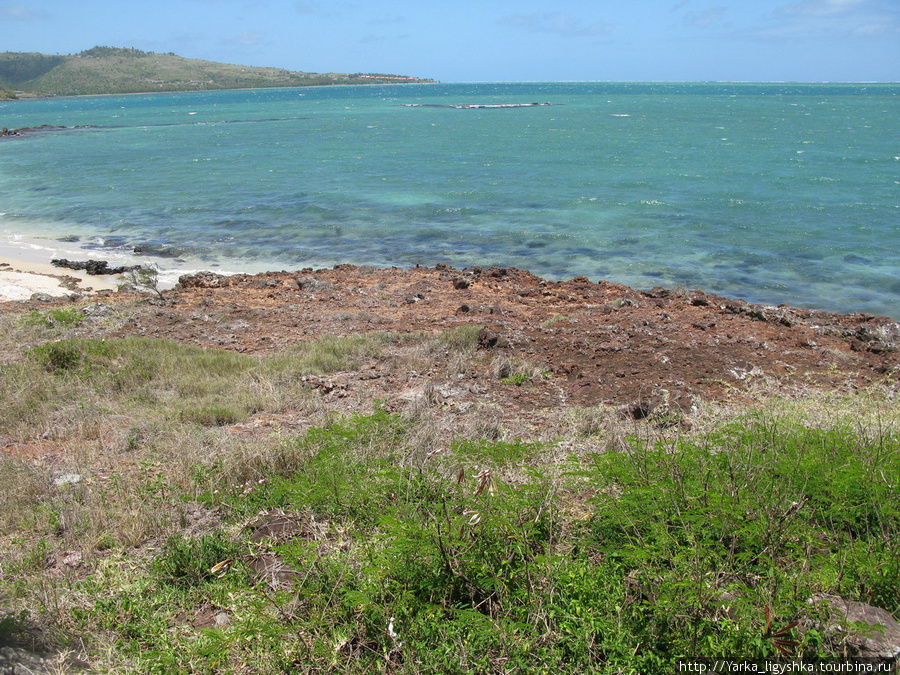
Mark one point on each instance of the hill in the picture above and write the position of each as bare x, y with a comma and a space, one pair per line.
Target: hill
112, 70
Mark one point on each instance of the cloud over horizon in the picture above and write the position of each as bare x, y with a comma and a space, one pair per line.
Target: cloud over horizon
834, 19
705, 18
19, 13
556, 23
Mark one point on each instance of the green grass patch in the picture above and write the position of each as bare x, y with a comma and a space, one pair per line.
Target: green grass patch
64, 317
189, 562
498, 453
517, 379
460, 339
346, 469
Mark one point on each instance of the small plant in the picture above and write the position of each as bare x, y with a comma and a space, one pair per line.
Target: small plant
553, 320
780, 637
461, 338
188, 562
510, 370
143, 278
57, 356
65, 317
517, 379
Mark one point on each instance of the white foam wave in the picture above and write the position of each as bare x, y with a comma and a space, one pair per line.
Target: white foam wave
37, 250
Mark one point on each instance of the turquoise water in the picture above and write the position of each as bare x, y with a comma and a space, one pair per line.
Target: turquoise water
772, 193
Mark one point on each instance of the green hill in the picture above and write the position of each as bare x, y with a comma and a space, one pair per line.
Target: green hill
112, 70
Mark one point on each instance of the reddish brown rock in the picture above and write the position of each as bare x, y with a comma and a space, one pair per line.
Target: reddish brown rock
596, 342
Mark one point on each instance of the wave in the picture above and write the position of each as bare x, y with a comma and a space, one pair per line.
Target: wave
478, 106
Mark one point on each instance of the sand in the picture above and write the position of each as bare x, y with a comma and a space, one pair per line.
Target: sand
20, 279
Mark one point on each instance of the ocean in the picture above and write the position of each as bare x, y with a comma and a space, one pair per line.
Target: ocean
774, 193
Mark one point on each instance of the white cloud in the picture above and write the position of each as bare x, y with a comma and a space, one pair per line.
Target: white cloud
387, 20
704, 18
822, 7
18, 13
556, 24
834, 18
250, 38
875, 29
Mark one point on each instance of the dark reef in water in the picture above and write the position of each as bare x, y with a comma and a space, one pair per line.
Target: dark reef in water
93, 267
4, 132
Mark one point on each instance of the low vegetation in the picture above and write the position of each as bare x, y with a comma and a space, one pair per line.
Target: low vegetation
173, 509
111, 70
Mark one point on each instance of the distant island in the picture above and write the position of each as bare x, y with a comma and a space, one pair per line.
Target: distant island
114, 70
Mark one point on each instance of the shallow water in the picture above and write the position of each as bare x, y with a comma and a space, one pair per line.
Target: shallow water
773, 193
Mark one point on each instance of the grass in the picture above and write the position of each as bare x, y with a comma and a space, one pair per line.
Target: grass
604, 546
473, 574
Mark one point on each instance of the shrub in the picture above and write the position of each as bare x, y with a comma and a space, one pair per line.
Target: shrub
188, 561
57, 356
66, 317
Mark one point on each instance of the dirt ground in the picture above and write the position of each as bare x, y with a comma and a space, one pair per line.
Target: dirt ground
579, 343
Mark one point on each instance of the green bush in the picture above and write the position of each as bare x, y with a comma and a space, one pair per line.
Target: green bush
190, 561
498, 453
66, 317
72, 355
733, 514
344, 469
12, 627
461, 339
57, 357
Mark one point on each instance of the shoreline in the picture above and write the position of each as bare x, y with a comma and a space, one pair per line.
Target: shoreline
25, 269
20, 279
24, 272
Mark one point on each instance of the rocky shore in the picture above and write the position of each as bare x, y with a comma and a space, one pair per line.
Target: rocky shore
593, 343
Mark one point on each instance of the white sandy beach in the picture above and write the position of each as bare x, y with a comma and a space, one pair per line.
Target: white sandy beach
20, 279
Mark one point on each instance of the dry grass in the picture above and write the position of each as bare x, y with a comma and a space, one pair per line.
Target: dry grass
134, 423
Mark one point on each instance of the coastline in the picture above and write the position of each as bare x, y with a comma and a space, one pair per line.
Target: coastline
21, 277
604, 341
25, 268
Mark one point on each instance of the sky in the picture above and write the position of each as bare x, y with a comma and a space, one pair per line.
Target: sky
489, 40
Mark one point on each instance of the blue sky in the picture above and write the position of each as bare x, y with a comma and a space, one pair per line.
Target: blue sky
489, 40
